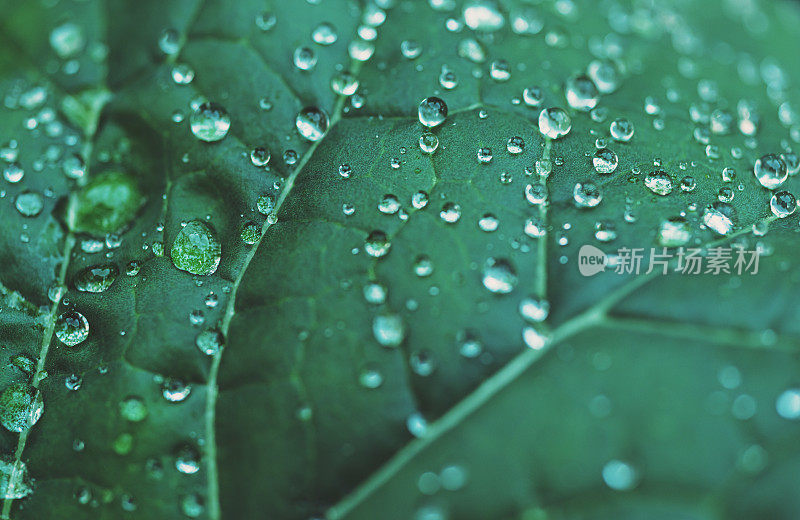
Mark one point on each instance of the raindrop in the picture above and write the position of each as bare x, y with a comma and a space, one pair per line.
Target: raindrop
21, 406
587, 194
659, 182
620, 476
96, 279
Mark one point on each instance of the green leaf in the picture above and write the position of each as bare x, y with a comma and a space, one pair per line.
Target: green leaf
353, 329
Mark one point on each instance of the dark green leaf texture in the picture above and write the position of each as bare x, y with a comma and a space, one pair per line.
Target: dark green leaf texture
676, 375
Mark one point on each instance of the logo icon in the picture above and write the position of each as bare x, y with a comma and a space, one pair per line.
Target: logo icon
591, 260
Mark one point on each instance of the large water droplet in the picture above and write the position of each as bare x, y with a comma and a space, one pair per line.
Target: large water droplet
719, 217
770, 170
587, 194
621, 130
581, 93
659, 182
605, 161
674, 232
432, 111
783, 204
96, 279
210, 122
499, 275
71, 328
21, 406
554, 122
483, 15
196, 249
388, 329
620, 475
312, 123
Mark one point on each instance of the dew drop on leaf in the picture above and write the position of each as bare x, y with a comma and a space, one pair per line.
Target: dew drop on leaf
621, 130
432, 112
581, 93
770, 171
719, 217
312, 123
620, 475
389, 330
783, 204
71, 328
605, 161
196, 249
674, 232
21, 405
96, 279
499, 275
210, 122
554, 122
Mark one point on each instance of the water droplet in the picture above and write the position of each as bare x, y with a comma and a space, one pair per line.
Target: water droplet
67, 40
581, 93
344, 83
428, 143
451, 212
13, 173
21, 406
419, 200
605, 161
96, 279
534, 228
324, 34
500, 70
499, 275
534, 309
792, 162
783, 204
133, 409
389, 204
488, 223
210, 342
515, 145
483, 15
71, 328
432, 112
175, 390
389, 330
485, 155
554, 123
196, 249
620, 476
788, 404
587, 194
604, 74
182, 74
304, 58
532, 96
659, 182
210, 122
260, 157
770, 170
410, 49
312, 123
266, 20
423, 266
674, 232
719, 217
536, 193
29, 203
377, 244
621, 130
187, 460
